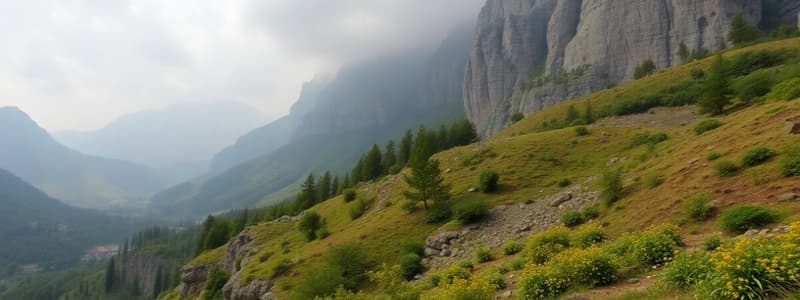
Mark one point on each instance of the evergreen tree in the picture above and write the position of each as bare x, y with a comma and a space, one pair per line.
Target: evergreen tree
462, 133
336, 186
324, 187
218, 235
308, 192
389, 157
589, 114
309, 224
741, 31
572, 114
111, 276
346, 182
241, 221
355, 174
373, 166
422, 149
205, 229
427, 183
441, 140
404, 149
716, 88
683, 52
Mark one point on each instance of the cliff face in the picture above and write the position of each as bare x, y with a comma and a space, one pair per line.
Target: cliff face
588, 43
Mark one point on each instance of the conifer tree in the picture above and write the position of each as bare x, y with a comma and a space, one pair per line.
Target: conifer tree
716, 88
683, 52
441, 140
355, 174
205, 229
373, 166
308, 192
572, 114
427, 183
404, 149
111, 276
336, 186
588, 115
324, 187
389, 157
741, 31
422, 149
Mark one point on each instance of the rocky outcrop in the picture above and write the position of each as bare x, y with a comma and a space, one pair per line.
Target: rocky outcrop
142, 269
193, 278
529, 54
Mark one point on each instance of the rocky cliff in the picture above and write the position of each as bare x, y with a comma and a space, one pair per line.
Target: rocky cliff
528, 54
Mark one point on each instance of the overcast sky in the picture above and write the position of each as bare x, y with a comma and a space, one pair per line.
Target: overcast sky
79, 64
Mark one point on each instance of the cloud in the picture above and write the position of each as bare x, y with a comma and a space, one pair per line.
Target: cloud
81, 64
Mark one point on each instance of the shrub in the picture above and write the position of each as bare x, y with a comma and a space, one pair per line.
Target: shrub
686, 269
545, 244
740, 218
496, 280
455, 272
409, 206
488, 181
712, 156
786, 90
698, 74
516, 117
706, 125
464, 289
466, 264
577, 267
752, 86
512, 247
349, 195
654, 246
437, 213
757, 156
590, 212
588, 236
483, 255
412, 246
697, 208
711, 242
648, 139
571, 218
309, 224
611, 185
542, 283
726, 168
470, 210
581, 131
216, 280
645, 69
357, 209
319, 282
323, 233
790, 165
351, 261
410, 265
564, 182
652, 180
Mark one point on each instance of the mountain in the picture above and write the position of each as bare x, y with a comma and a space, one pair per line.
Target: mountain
178, 140
78, 179
37, 229
333, 122
529, 54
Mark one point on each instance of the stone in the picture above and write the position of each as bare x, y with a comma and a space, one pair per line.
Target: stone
788, 197
561, 199
472, 190
445, 252
505, 294
633, 280
430, 251
751, 233
448, 170
694, 161
793, 128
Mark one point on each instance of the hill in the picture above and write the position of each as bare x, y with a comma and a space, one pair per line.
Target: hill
547, 169
78, 179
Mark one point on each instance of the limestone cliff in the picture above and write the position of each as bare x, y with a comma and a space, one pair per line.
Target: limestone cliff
528, 54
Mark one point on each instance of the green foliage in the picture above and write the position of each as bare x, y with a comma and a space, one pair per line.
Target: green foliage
748, 62
466, 264
588, 236
545, 244
645, 69
318, 282
786, 90
437, 213
683, 52
790, 164
216, 280
573, 268
742, 32
753, 86
497, 280
581, 131
483, 255
564, 182
351, 261
652, 180
572, 114
571, 218
648, 139
516, 117
706, 125
412, 246
411, 265
712, 156
711, 242
409, 206
349, 194
455, 272
283, 266
357, 209
697, 208
215, 232
310, 224
469, 210
698, 74
716, 88
726, 168
656, 245
611, 188
512, 247
590, 212
323, 232
488, 181
757, 156
740, 218
426, 183
678, 94
686, 269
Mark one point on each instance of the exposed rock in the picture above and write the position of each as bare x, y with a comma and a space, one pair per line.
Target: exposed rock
633, 280
141, 269
235, 289
788, 197
193, 278
793, 128
561, 199
472, 190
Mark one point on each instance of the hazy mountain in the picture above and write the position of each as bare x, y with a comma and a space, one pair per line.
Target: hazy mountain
37, 229
178, 140
81, 180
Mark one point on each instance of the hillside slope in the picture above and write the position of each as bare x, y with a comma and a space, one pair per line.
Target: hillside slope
543, 173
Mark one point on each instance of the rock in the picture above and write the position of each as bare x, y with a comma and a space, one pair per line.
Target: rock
694, 161
505, 294
751, 233
632, 280
472, 190
448, 170
781, 229
788, 197
251, 290
430, 251
793, 128
193, 278
445, 252
561, 199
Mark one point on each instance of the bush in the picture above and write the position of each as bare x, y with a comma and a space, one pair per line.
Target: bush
752, 86
581, 131
349, 195
712, 156
412, 246
786, 90
309, 224
656, 245
611, 185
790, 165
697, 208
357, 209
516, 117
437, 213
652, 180
323, 233
466, 264
571, 218
744, 217
512, 247
545, 244
686, 270
496, 280
706, 125
645, 69
590, 212
470, 210
543, 283
351, 261
410, 265
464, 289
409, 206
455, 272
648, 139
573, 268
488, 181
698, 74
319, 282
757, 156
711, 242
588, 236
726, 168
483, 255
564, 182
216, 280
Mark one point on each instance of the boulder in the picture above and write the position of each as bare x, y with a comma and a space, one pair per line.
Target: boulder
561, 199
788, 197
793, 128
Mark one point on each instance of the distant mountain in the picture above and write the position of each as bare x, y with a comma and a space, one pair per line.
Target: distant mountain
333, 122
178, 140
37, 229
81, 180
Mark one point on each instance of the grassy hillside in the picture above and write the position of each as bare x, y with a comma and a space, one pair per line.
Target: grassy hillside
536, 165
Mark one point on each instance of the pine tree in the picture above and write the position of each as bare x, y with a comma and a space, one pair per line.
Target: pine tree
346, 181
241, 221
441, 140
589, 114
741, 31
355, 174
404, 149
205, 229
373, 166
111, 276
422, 149
308, 192
683, 52
324, 187
462, 133
427, 183
389, 157
572, 114
336, 186
716, 88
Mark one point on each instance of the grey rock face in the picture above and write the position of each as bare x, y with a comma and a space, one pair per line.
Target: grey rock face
193, 278
596, 42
